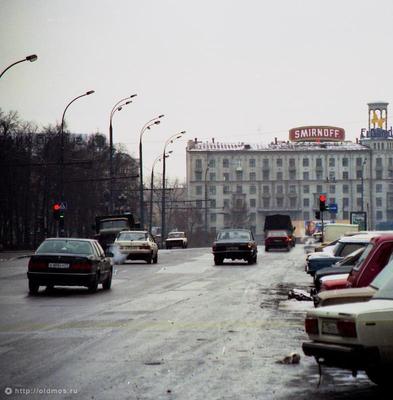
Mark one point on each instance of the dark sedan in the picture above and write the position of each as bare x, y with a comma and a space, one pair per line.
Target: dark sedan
278, 239
235, 244
69, 262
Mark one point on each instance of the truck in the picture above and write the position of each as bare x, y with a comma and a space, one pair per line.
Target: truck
107, 227
279, 222
335, 231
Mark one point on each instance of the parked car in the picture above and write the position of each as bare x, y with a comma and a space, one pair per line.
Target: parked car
137, 245
69, 262
377, 254
354, 295
235, 244
355, 336
345, 246
278, 239
176, 239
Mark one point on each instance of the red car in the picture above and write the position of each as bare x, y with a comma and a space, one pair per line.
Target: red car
374, 258
278, 239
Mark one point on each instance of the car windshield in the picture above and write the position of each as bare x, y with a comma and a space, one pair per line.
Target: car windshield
120, 223
65, 246
276, 233
366, 252
234, 235
383, 276
132, 236
176, 235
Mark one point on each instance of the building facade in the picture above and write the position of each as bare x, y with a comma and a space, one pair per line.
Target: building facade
255, 180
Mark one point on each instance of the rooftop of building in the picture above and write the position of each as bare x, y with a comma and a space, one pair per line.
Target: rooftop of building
195, 145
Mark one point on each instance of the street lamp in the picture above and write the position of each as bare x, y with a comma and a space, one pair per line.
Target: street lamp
170, 140
148, 125
62, 150
117, 107
31, 58
151, 187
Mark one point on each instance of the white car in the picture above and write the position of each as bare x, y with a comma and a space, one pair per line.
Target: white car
176, 239
137, 245
355, 336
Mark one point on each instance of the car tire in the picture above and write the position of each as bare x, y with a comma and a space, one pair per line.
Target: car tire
289, 248
106, 285
250, 260
149, 259
94, 285
168, 247
266, 249
379, 376
155, 259
33, 288
218, 260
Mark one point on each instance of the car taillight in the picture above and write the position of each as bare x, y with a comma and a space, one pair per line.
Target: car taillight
82, 266
311, 325
37, 265
346, 328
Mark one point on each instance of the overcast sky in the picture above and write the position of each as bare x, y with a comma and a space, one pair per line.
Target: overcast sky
244, 70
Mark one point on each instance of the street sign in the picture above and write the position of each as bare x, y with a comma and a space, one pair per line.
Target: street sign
63, 205
333, 208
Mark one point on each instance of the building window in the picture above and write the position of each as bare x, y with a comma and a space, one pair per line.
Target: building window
345, 175
279, 176
198, 204
332, 162
239, 189
213, 203
306, 215
378, 188
332, 176
345, 189
266, 202
359, 174
319, 189
318, 162
213, 217
292, 162
306, 176
253, 176
265, 163
239, 175
306, 162
332, 189
306, 189
345, 162
265, 189
212, 163
379, 215
198, 190
345, 215
265, 174
378, 174
319, 175
253, 189
212, 190
292, 202
280, 189
253, 203
306, 202
226, 176
379, 162
198, 175
292, 189
359, 203
212, 176
359, 188
198, 163
252, 162
378, 202
280, 202
359, 161
292, 175
225, 163
239, 203
226, 189
279, 162
345, 202
226, 203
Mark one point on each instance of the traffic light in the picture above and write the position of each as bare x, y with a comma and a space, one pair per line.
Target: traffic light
322, 202
56, 211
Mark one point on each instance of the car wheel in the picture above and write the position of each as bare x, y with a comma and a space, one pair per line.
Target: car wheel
266, 249
168, 247
289, 247
250, 260
33, 288
218, 260
94, 285
106, 285
148, 260
155, 259
49, 288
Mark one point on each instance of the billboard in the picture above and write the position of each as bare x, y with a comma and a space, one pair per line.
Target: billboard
317, 134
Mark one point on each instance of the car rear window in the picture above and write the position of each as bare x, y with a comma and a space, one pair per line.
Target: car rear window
366, 252
65, 246
276, 233
132, 236
233, 235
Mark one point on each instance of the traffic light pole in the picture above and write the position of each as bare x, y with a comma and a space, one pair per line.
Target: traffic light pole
322, 227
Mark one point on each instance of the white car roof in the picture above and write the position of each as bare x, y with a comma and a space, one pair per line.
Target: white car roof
362, 238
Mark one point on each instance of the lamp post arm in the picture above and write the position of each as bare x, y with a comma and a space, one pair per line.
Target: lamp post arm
31, 58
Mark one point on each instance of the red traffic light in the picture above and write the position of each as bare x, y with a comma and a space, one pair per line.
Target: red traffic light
322, 197
56, 207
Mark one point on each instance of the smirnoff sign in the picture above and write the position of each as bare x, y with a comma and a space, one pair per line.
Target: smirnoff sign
317, 134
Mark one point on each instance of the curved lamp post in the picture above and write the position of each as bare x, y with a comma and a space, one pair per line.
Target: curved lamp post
117, 107
148, 125
62, 149
151, 187
170, 140
30, 58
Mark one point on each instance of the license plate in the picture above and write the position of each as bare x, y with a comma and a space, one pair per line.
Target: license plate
58, 265
329, 327
232, 248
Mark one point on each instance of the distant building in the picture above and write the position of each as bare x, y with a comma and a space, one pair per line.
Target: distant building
288, 177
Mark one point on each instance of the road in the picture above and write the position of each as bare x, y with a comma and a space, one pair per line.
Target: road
181, 329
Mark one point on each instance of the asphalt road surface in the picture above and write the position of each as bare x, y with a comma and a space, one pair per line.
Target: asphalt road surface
181, 329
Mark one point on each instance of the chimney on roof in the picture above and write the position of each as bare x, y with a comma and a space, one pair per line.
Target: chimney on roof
196, 140
275, 140
213, 140
357, 140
